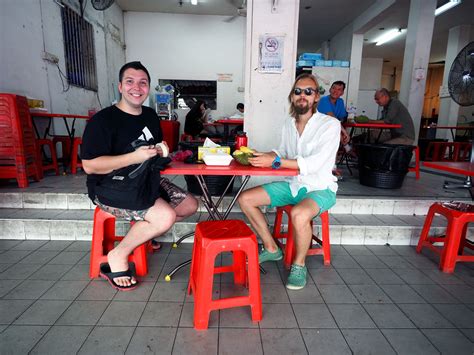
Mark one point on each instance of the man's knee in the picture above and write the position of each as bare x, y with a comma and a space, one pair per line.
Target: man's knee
300, 216
161, 218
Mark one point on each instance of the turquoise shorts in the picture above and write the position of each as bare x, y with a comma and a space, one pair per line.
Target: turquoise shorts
280, 195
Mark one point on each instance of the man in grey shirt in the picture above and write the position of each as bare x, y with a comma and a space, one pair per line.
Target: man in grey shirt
395, 112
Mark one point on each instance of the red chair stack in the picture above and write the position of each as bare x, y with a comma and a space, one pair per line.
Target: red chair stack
289, 249
210, 239
104, 239
458, 215
75, 162
448, 151
19, 156
54, 160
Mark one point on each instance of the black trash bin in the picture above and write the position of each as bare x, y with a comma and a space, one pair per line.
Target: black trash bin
384, 165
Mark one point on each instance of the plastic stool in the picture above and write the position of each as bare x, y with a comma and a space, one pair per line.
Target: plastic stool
75, 163
210, 239
65, 146
289, 247
458, 215
416, 168
103, 240
52, 150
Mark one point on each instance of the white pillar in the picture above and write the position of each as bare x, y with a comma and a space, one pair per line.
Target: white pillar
448, 109
266, 104
416, 58
354, 74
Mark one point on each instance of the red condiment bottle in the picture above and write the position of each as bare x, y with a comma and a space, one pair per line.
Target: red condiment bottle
240, 140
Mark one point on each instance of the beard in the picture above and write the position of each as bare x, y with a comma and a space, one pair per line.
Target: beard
301, 110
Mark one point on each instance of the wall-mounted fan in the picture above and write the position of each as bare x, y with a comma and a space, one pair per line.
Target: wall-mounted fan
461, 77
101, 5
241, 11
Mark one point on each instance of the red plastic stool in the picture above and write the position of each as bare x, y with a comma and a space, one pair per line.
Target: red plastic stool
210, 239
75, 163
458, 215
65, 146
289, 248
103, 240
52, 150
416, 168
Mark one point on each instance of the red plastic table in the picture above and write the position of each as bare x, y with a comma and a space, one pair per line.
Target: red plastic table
455, 167
229, 122
234, 169
369, 126
50, 116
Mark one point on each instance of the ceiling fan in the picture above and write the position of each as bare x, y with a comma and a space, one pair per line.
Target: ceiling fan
241, 11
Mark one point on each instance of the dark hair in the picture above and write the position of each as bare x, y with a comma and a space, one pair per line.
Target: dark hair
339, 82
133, 65
196, 109
301, 77
240, 105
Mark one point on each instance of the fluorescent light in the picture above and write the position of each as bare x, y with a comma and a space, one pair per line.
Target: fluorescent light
388, 36
194, 2
447, 6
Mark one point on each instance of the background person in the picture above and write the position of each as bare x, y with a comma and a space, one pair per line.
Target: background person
309, 143
195, 119
108, 134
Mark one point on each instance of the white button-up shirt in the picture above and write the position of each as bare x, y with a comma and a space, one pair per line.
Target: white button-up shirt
315, 151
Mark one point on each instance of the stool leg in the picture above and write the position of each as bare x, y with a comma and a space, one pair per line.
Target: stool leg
240, 275
203, 294
290, 245
426, 229
451, 246
140, 260
325, 238
254, 284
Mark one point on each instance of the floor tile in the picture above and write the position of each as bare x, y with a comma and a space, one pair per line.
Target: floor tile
83, 313
20, 271
325, 341
369, 294
313, 316
161, 314
414, 277
239, 341
434, 294
365, 341
274, 293
382, 250
282, 341
169, 291
13, 256
56, 245
409, 342
65, 290
12, 309
351, 316
443, 278
458, 314
464, 293
355, 277
141, 293
67, 257
107, 340
29, 289
152, 340
43, 312
29, 245
402, 294
369, 262
384, 277
278, 315
49, 272
326, 276
97, 290
344, 262
337, 294
20, 339
62, 340
39, 257
78, 272
358, 250
425, 316
309, 294
388, 316
7, 285
449, 341
469, 333
189, 341
396, 261
122, 314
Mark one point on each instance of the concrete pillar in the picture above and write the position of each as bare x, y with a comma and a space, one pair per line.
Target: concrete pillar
354, 74
449, 110
266, 104
416, 58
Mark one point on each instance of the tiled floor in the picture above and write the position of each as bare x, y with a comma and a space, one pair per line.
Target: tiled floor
378, 300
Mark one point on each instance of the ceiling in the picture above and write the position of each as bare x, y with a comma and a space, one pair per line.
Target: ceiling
322, 19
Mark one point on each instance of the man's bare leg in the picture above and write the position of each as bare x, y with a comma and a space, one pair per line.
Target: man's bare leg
250, 201
301, 216
158, 219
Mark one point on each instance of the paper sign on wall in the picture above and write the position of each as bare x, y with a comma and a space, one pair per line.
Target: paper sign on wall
270, 53
224, 77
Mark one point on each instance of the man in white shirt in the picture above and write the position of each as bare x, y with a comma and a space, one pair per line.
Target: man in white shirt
309, 143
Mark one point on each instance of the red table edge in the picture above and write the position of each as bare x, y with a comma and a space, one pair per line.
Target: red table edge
448, 166
62, 115
234, 169
239, 121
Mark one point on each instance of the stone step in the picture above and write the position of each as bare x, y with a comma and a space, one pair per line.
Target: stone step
344, 204
369, 229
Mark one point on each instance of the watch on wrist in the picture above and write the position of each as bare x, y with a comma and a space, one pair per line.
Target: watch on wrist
276, 163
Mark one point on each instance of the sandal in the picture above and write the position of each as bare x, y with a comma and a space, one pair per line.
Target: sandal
107, 274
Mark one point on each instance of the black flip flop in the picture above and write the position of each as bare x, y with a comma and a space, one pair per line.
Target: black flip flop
155, 245
107, 274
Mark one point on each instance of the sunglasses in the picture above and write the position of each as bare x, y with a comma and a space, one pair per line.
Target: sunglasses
307, 91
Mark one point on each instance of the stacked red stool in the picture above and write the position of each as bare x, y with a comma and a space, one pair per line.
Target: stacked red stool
458, 215
289, 249
54, 160
210, 239
19, 155
75, 162
104, 239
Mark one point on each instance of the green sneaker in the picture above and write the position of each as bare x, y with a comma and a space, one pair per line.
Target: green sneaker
297, 278
265, 255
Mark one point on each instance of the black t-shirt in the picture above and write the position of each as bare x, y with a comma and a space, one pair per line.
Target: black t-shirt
111, 131
193, 124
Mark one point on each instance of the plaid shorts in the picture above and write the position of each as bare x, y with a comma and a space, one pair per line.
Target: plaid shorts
171, 193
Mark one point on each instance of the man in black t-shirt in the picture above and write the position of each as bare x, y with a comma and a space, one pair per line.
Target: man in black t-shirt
107, 137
